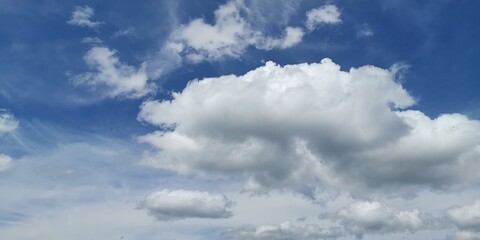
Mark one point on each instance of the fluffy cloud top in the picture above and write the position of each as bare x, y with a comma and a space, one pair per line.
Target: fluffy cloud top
119, 78
372, 217
305, 126
284, 231
82, 15
230, 35
5, 162
327, 14
8, 122
180, 204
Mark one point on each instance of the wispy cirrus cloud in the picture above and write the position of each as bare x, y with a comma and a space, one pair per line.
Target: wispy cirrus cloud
284, 231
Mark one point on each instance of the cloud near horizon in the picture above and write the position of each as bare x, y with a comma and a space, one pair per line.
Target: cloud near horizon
284, 231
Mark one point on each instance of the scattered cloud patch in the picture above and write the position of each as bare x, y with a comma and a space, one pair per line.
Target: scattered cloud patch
327, 14
467, 220
92, 40
467, 235
284, 231
8, 123
364, 31
163, 61
81, 16
127, 32
5, 162
119, 78
230, 35
371, 217
166, 205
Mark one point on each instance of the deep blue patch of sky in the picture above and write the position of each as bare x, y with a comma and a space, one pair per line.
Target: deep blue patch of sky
438, 39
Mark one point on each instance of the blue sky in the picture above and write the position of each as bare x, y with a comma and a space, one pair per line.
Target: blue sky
239, 119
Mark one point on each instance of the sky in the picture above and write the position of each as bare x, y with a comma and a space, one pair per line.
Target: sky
239, 119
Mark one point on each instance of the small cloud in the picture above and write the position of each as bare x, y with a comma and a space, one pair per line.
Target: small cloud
82, 15
168, 205
372, 217
92, 40
364, 31
8, 123
327, 14
127, 32
5, 162
119, 78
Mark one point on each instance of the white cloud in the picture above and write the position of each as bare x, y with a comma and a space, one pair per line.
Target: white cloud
126, 32
467, 235
466, 216
467, 220
119, 78
168, 205
371, 217
92, 40
284, 231
230, 35
8, 123
5, 162
82, 15
327, 14
308, 126
364, 31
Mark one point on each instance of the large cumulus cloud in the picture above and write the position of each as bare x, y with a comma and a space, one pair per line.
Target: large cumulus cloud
305, 126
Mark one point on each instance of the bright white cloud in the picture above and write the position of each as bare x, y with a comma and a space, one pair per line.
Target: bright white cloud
284, 231
5, 162
82, 15
371, 217
230, 35
8, 123
168, 205
327, 14
306, 126
118, 78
